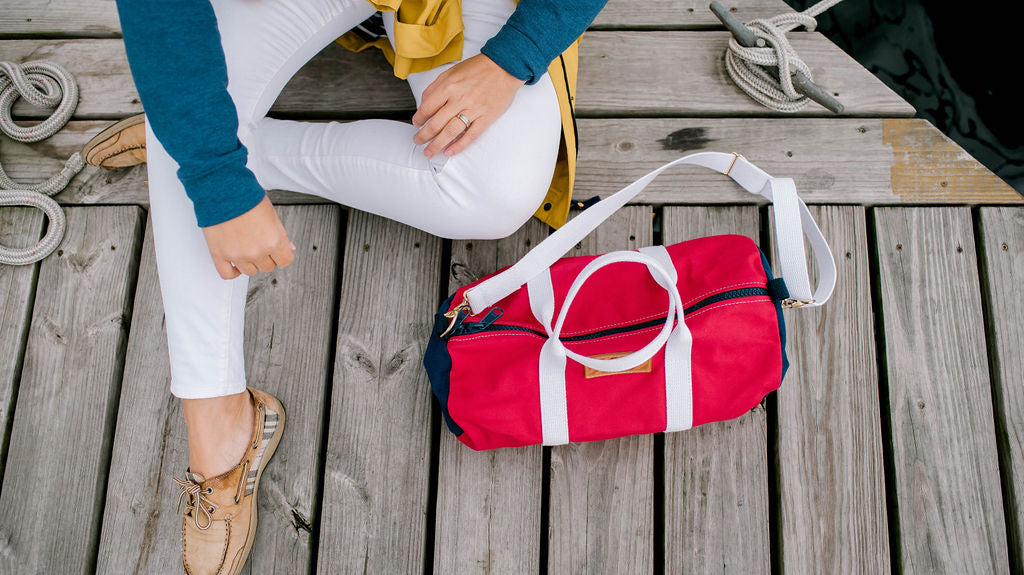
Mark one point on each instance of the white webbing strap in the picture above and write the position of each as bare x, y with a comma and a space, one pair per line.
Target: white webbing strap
674, 336
792, 222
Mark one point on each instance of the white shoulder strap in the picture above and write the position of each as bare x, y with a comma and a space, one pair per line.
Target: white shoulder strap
792, 223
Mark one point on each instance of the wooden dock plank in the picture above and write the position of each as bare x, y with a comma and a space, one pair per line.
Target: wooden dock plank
839, 160
60, 18
681, 14
948, 503
98, 18
19, 227
378, 452
488, 502
716, 475
842, 160
615, 78
287, 346
100, 67
1002, 238
831, 479
617, 68
63, 425
601, 502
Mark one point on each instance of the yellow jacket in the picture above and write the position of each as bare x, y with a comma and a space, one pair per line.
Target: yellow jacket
428, 33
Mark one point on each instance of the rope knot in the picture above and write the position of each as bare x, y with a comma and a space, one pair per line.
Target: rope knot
749, 66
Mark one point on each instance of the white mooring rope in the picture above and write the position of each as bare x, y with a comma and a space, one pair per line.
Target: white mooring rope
46, 85
746, 66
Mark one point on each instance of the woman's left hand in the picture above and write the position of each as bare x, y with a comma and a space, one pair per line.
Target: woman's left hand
478, 89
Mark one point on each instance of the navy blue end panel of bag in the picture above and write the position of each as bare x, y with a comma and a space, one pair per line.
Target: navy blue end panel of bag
778, 291
438, 363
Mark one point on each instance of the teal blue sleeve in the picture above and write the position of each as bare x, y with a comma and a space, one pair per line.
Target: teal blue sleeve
177, 62
537, 32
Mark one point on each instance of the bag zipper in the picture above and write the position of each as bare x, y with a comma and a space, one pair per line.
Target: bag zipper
487, 323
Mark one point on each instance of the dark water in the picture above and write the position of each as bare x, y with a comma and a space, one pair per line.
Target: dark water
958, 63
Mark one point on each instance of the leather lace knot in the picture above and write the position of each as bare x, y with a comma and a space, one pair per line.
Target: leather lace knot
197, 501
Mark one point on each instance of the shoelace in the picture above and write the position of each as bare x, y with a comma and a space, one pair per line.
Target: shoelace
197, 500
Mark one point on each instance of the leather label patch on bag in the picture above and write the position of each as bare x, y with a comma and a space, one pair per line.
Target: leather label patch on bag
590, 373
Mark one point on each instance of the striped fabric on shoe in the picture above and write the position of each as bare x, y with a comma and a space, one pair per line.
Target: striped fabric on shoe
270, 418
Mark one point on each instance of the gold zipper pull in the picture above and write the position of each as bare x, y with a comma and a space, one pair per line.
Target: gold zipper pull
453, 315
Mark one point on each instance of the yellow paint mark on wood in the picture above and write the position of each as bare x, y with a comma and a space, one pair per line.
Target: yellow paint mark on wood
929, 167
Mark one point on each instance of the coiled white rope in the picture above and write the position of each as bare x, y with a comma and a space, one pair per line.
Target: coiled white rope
46, 85
746, 66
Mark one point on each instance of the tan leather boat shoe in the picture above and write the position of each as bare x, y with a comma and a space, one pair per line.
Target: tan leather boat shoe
219, 525
120, 145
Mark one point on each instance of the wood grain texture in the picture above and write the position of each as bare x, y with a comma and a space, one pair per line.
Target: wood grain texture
948, 503
831, 479
60, 444
601, 502
60, 18
716, 475
378, 452
681, 14
929, 167
488, 502
19, 227
98, 18
287, 346
100, 67
840, 160
626, 73
1002, 238
616, 69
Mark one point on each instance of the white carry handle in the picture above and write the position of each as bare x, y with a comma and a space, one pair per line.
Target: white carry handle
792, 222
626, 362
674, 337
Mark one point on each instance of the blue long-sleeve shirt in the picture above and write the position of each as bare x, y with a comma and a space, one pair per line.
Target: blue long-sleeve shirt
177, 62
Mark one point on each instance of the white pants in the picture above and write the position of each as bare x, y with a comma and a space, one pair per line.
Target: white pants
487, 191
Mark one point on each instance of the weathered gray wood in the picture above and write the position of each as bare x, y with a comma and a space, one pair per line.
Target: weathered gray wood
19, 227
1002, 238
60, 443
616, 72
841, 160
680, 14
140, 533
831, 480
626, 72
61, 18
98, 18
488, 502
287, 346
716, 475
948, 503
378, 452
601, 502
100, 67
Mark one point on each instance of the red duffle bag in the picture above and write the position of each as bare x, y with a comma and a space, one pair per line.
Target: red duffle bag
556, 350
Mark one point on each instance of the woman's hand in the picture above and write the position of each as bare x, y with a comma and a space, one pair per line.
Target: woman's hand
478, 89
255, 240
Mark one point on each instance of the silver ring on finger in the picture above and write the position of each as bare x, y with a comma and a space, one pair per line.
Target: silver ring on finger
464, 119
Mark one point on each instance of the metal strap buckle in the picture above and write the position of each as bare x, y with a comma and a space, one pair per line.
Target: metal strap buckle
790, 303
